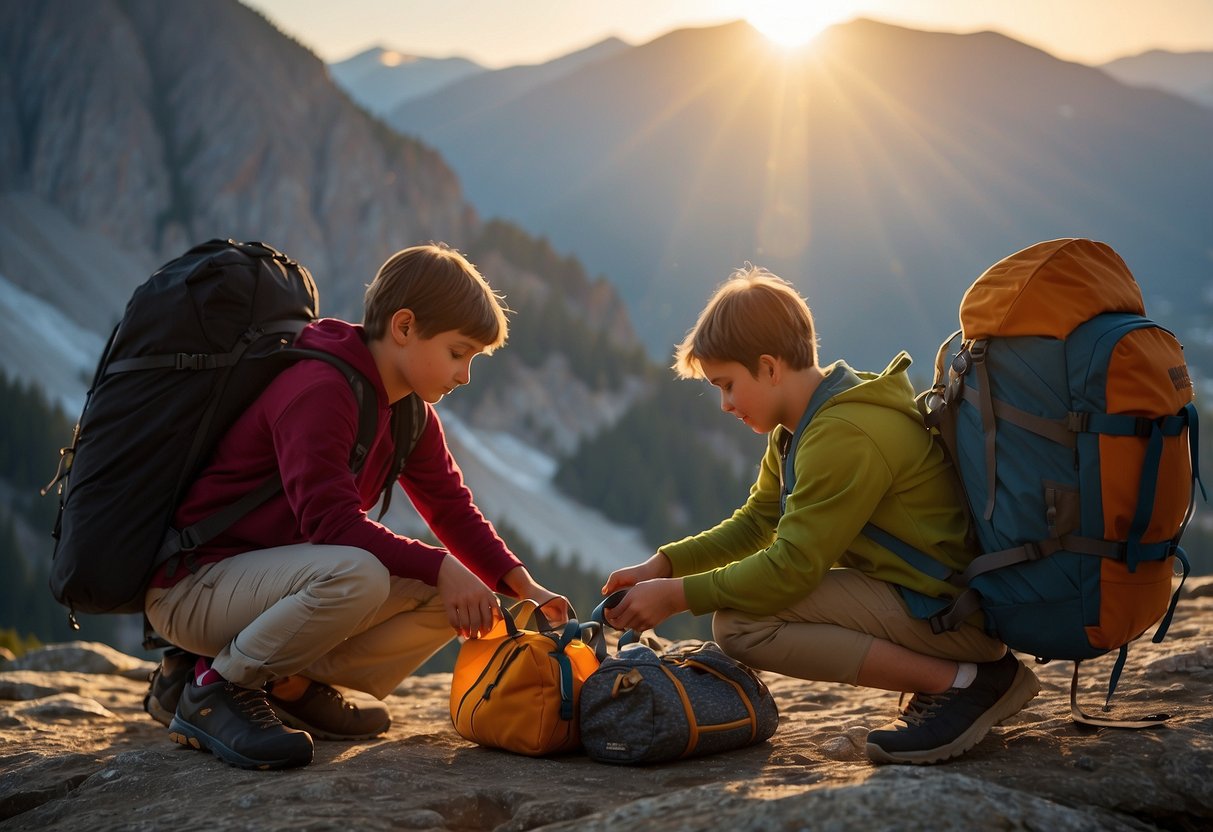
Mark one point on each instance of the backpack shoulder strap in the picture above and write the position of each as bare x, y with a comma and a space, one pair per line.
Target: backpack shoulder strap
409, 418
364, 394
826, 390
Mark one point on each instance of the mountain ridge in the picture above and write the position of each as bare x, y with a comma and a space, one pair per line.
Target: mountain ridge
1188, 74
881, 171
380, 78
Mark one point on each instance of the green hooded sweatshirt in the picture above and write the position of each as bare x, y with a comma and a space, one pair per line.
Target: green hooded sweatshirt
865, 457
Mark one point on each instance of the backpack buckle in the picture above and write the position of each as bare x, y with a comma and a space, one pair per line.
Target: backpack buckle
1143, 426
189, 539
1033, 551
190, 361
961, 362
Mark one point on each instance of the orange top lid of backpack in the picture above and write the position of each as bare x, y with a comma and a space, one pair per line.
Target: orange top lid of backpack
1048, 289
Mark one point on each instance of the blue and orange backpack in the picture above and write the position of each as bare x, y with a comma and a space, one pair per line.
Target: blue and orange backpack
1069, 419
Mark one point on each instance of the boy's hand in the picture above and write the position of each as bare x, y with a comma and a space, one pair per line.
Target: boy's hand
658, 566
471, 607
555, 607
647, 604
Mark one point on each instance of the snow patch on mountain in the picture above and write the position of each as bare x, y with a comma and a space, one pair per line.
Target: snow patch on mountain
512, 482
41, 345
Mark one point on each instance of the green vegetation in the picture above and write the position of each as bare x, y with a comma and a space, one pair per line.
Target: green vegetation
547, 324
17, 643
655, 469
32, 430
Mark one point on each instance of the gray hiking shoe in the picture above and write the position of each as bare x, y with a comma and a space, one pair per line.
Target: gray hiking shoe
238, 726
165, 684
937, 727
327, 715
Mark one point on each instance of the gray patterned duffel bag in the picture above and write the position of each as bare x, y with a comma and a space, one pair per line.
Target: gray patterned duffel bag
642, 706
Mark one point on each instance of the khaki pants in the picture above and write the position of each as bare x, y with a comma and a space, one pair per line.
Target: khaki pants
330, 613
825, 637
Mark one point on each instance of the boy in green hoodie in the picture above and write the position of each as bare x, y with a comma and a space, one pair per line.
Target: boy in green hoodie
796, 577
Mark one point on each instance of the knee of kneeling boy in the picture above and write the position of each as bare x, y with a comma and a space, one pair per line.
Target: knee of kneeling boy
734, 631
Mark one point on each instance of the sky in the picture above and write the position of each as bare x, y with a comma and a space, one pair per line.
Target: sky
500, 33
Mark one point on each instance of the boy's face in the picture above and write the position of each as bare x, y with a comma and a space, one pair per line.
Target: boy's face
753, 400
433, 367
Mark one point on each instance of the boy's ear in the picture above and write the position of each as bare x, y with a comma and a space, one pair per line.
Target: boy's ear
770, 369
402, 325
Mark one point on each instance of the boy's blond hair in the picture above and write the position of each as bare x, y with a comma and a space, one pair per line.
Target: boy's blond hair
444, 291
753, 313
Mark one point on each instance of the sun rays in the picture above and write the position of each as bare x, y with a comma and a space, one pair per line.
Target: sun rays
793, 23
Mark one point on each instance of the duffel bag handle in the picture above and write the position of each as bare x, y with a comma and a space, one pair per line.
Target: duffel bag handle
517, 616
598, 616
527, 610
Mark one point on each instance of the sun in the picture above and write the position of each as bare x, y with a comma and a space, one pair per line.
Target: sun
792, 23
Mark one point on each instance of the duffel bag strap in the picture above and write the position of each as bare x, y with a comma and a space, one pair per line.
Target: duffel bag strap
741, 693
598, 621
598, 616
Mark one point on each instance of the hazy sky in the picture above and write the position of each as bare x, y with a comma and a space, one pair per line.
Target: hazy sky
504, 32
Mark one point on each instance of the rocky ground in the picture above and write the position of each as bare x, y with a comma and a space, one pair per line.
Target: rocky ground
78, 753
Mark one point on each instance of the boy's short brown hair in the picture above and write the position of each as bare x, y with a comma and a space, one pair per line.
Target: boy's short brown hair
753, 313
444, 291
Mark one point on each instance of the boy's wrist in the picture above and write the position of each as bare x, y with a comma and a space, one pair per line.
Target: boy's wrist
661, 565
520, 583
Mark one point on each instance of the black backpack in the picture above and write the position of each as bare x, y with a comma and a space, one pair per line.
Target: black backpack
199, 341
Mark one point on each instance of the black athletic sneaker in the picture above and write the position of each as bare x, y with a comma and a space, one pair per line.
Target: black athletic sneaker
165, 684
327, 715
937, 727
238, 726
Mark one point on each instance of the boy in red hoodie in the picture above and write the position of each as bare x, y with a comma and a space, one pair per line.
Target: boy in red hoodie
306, 591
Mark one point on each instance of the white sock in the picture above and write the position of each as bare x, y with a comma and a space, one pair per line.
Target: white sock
966, 672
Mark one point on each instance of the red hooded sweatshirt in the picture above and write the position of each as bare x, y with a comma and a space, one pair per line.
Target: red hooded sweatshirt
304, 426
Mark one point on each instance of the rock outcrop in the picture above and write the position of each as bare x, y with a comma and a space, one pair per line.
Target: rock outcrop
159, 130
77, 752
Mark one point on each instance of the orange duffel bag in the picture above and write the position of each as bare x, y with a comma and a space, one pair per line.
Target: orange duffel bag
517, 689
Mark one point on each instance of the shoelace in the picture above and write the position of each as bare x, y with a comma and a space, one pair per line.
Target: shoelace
332, 693
252, 704
922, 706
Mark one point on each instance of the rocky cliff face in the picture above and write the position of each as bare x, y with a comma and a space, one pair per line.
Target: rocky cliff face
77, 752
131, 130
160, 126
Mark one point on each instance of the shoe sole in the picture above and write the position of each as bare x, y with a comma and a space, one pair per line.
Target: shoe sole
1023, 690
158, 712
182, 733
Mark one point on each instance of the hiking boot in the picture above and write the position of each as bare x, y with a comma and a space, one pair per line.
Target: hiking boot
165, 684
238, 726
936, 727
327, 715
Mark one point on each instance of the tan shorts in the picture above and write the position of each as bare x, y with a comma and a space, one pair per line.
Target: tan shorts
825, 637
